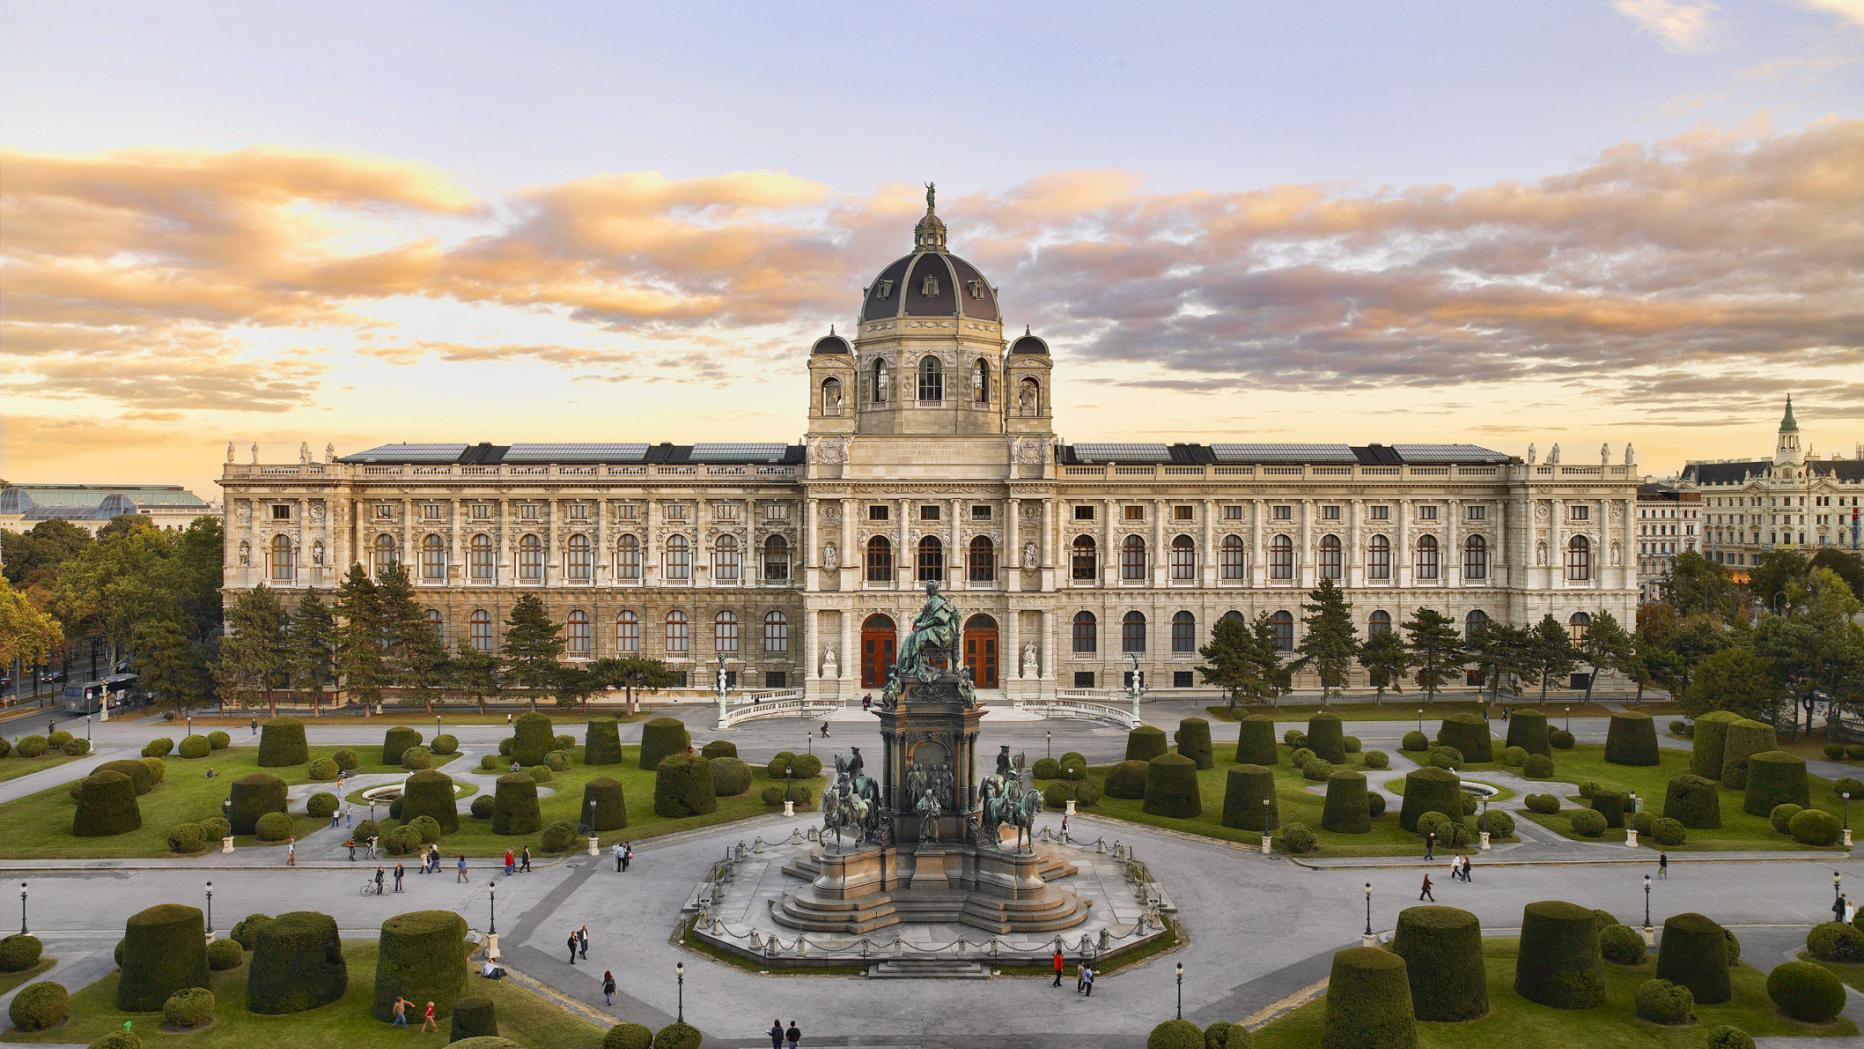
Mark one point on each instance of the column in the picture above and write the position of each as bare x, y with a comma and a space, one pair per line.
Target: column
903, 567
1402, 557
851, 559
1453, 548
848, 661
1304, 549
1256, 554
1628, 579
1048, 655
1012, 561
812, 662
407, 536
702, 548
753, 558
1161, 562
552, 574
812, 542
955, 578
1010, 661
1110, 556
502, 548
1355, 544
601, 576
1556, 551
1207, 547
1048, 542
651, 553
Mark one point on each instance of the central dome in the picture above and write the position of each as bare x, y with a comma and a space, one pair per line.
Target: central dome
930, 282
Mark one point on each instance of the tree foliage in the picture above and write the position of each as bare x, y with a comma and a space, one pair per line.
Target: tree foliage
1328, 643
1435, 649
1242, 660
533, 645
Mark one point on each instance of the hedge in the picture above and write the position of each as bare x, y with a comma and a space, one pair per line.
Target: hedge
473, 1017
273, 826
138, 773
253, 796
395, 743
1527, 729
40, 1006
421, 958
1694, 801
1693, 953
663, 736
164, 951
1346, 811
1775, 777
1611, 805
1622, 945
724, 748
1442, 950
1175, 1034
610, 811
281, 743
1469, 734
1814, 827
1744, 739
1559, 963
678, 1036
602, 742
1255, 741
187, 838
1835, 942
1143, 743
514, 805
246, 930
1806, 992
683, 785
1631, 739
1193, 739
1126, 779
532, 737
1709, 740
430, 793
1368, 1002
1171, 787
1326, 736
106, 806
628, 1036
1662, 1002
194, 747
224, 954
20, 952
1429, 790
445, 744
159, 747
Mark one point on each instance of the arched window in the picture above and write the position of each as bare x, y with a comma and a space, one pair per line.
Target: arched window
579, 559
1578, 626
776, 632
1332, 562
1029, 397
930, 563
1133, 632
1232, 616
831, 396
480, 562
433, 559
727, 561
1474, 623
530, 559
1183, 559
1379, 622
931, 380
576, 638
1133, 559
1084, 564
776, 559
1579, 558
679, 642
1379, 558
438, 626
1281, 558
627, 632
1475, 558
628, 559
725, 631
1230, 565
980, 563
1427, 557
479, 630
278, 558
980, 381
879, 560
1086, 632
384, 553
1183, 632
679, 558
879, 388
1283, 625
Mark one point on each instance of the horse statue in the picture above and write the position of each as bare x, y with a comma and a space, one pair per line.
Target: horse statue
844, 810
1028, 805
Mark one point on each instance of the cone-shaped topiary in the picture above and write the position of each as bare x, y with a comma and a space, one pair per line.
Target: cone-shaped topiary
1255, 741
683, 787
1775, 778
514, 805
1325, 737
1243, 791
106, 806
1127, 780
1745, 738
1368, 1002
1693, 953
1145, 743
1469, 734
1346, 811
602, 742
297, 964
1527, 729
1631, 739
395, 743
661, 737
1193, 739
1694, 801
1171, 787
473, 1017
1442, 950
429, 792
610, 811
1611, 805
422, 958
531, 738
281, 743
1711, 736
1559, 962
253, 796
164, 951
1429, 790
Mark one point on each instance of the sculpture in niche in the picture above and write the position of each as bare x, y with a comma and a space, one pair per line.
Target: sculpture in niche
317, 552
929, 811
1617, 553
831, 397
245, 553
881, 382
830, 668
1031, 668
978, 389
1540, 554
1029, 555
831, 557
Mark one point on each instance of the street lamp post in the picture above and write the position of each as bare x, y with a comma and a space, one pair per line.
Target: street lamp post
210, 908
87, 728
190, 722
1049, 737
679, 973
492, 895
1368, 912
1266, 802
1180, 990
1420, 719
1569, 719
22, 908
1646, 903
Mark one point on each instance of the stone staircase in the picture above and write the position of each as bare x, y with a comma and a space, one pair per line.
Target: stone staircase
927, 969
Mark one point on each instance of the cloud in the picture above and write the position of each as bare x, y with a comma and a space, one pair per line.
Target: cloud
1682, 25
1848, 10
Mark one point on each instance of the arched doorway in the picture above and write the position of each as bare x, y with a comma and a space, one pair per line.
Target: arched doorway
980, 650
878, 638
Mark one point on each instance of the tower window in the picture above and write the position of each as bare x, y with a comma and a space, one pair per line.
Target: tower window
976, 288
883, 289
929, 286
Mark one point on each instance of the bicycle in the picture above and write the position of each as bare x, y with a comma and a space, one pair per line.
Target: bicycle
370, 888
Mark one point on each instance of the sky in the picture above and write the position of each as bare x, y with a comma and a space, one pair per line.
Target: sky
1584, 222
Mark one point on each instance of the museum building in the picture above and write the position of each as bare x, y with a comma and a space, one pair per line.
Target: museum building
930, 454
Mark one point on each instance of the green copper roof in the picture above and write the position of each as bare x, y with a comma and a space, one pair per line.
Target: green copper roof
1789, 424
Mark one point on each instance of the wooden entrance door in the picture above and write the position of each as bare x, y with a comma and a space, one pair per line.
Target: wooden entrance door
878, 638
980, 650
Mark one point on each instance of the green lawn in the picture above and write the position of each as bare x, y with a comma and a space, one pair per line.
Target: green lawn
523, 1017
1517, 1023
13, 766
1852, 973
8, 981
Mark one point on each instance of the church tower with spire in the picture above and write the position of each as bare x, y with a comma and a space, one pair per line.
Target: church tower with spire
1786, 449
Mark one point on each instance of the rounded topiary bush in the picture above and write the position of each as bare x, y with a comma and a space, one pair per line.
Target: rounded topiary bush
1353, 744
1429, 790
718, 748
1741, 741
1836, 942
1806, 992
1375, 805
1559, 963
1414, 742
1368, 1002
677, 1036
160, 747
426, 829
1255, 741
559, 836
1514, 757
490, 762
730, 777
281, 743
1171, 787
1175, 1034
1055, 795
563, 741
186, 838
246, 930
1193, 739
1694, 801
1446, 757
1621, 945
1527, 729
19, 952
320, 804
557, 761
1775, 778
504, 746
40, 1006
76, 748
1497, 824
1072, 760
1668, 832
773, 795
273, 826
421, 958
346, 759
1452, 833
1782, 816
473, 1017
1244, 789
194, 747
663, 736
1538, 766
157, 770
106, 806
532, 737
808, 766
416, 758
1561, 739
683, 786
254, 796
1043, 769
1317, 770
1298, 839
224, 954
1302, 756
1727, 1036
603, 803
1376, 759
628, 1036
323, 770
1326, 736
1345, 811
1662, 1002
140, 778
1693, 953
540, 773
1814, 827
482, 807
1442, 950
188, 1008
1144, 743
402, 840
1589, 823
164, 951
445, 744
1545, 804
602, 743
33, 746
430, 793
514, 805
1631, 739
1469, 735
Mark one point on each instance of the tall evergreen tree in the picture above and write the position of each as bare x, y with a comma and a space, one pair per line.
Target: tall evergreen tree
533, 645
633, 675
1550, 652
252, 655
1238, 661
473, 675
413, 649
169, 664
1329, 641
1607, 646
1500, 652
1386, 659
311, 649
1435, 649
361, 662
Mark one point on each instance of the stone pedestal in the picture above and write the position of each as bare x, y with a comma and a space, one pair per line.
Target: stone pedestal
1484, 846
1630, 838
1267, 845
595, 845
1069, 809
226, 844
789, 808
1846, 841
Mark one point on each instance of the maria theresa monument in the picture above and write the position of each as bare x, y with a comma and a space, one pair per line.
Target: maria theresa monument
930, 456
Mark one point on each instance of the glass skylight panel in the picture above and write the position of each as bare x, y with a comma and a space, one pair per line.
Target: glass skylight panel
1122, 453
576, 453
1448, 453
738, 453
1283, 453
411, 453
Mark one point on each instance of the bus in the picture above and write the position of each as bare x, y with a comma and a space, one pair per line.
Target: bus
85, 698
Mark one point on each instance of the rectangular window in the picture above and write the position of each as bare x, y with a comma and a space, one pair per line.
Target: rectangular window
1330, 513
482, 511
1183, 679
1379, 513
1427, 513
1283, 513
980, 511
727, 511
1182, 512
528, 511
676, 511
579, 511
1478, 512
1232, 513
384, 512
877, 511
776, 679
430, 511
929, 512
625, 512
1133, 512
1083, 679
1084, 511
1580, 513
281, 511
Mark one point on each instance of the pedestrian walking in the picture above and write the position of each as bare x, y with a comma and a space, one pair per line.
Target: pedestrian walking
433, 855
1059, 965
291, 853
378, 880
507, 719
255, 731
1838, 909
1088, 982
1080, 974
371, 847
776, 1034
794, 1035
401, 1011
573, 943
524, 860
1430, 845
336, 819
427, 1020
1466, 878
350, 844
1425, 894
627, 855
511, 862
608, 987
1663, 866
462, 870
349, 814
582, 942
399, 871
619, 856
